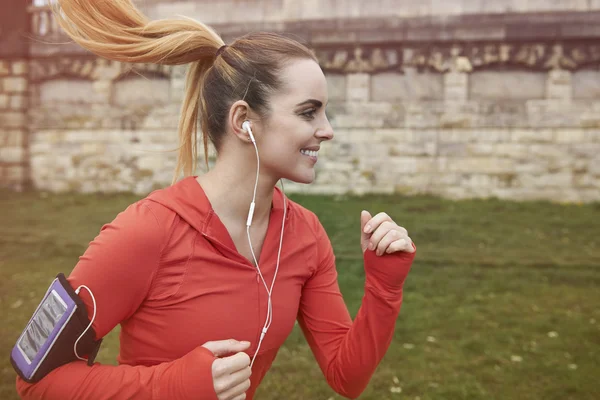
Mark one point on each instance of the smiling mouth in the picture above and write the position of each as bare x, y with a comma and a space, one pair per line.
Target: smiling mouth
310, 153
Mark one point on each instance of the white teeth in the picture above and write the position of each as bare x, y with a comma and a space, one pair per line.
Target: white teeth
309, 153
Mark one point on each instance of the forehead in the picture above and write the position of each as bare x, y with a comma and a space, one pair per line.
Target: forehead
302, 79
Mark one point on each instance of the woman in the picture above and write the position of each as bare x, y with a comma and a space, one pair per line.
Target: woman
190, 283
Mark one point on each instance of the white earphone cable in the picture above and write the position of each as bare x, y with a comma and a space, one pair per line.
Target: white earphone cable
269, 318
90, 324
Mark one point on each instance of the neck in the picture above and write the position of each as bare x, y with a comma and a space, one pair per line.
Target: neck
229, 186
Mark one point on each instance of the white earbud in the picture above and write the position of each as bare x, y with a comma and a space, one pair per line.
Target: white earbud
246, 128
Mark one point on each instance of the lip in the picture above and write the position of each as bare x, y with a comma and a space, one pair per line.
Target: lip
313, 148
311, 158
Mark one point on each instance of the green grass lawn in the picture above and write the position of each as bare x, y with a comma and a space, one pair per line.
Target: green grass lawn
503, 300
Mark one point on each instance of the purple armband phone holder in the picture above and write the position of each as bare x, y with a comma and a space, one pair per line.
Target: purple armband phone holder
48, 339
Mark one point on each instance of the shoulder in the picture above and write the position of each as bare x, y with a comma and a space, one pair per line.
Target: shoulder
143, 221
308, 230
305, 220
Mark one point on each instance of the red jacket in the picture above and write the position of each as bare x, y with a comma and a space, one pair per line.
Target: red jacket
167, 270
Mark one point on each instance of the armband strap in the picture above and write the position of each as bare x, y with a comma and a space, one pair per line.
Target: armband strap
47, 341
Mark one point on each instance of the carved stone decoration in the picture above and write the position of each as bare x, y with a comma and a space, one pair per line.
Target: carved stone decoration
90, 68
358, 59
358, 63
539, 56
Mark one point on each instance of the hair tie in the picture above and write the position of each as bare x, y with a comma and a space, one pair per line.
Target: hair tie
221, 49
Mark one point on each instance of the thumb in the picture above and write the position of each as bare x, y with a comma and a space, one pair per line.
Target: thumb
365, 217
223, 347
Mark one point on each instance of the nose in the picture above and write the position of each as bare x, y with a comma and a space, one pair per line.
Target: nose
326, 133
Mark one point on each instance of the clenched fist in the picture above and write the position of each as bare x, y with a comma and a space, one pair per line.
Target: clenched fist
231, 374
382, 235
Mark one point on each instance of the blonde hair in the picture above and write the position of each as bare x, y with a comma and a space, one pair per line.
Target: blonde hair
247, 69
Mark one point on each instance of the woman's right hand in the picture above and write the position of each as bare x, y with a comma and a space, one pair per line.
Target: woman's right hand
231, 371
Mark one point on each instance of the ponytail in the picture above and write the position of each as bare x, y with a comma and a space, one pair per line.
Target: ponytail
117, 30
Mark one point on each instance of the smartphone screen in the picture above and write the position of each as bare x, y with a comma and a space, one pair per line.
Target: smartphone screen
41, 326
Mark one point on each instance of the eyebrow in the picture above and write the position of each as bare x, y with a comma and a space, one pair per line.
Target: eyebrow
315, 102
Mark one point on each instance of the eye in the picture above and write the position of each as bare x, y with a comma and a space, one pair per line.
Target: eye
310, 114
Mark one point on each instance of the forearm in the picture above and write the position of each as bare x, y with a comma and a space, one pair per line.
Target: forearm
364, 345
189, 377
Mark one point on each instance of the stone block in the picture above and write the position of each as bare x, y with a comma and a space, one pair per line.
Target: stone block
586, 84
556, 5
593, 135
4, 101
585, 181
11, 154
455, 93
423, 114
512, 150
452, 149
18, 102
560, 92
67, 91
587, 150
456, 79
13, 138
558, 85
551, 151
570, 136
552, 113
594, 167
140, 91
362, 121
15, 174
391, 135
20, 68
507, 86
457, 120
561, 179
12, 119
484, 165
357, 88
4, 67
336, 87
532, 135
392, 86
530, 167
480, 149
412, 149
14, 84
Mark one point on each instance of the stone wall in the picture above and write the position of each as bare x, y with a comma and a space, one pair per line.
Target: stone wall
228, 11
13, 95
13, 122
504, 105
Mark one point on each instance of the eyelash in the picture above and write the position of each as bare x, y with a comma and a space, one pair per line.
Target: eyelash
310, 114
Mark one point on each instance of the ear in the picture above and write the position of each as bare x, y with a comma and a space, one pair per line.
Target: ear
238, 113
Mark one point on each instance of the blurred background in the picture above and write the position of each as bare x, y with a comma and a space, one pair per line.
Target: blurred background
474, 123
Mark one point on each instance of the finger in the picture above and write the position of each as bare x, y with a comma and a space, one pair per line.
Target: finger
240, 397
404, 244
236, 391
379, 233
375, 222
391, 236
221, 347
236, 362
365, 216
228, 382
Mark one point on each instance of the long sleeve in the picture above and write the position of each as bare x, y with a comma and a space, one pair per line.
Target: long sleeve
348, 352
118, 267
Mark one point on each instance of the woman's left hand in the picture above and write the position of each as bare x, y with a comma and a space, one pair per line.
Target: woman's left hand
382, 235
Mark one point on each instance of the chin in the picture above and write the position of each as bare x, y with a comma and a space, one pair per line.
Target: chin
306, 177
